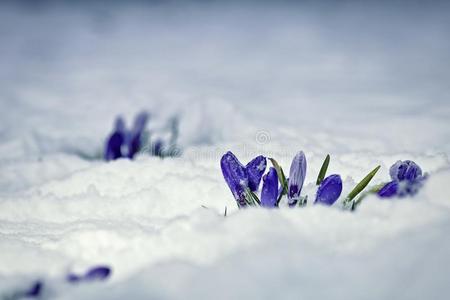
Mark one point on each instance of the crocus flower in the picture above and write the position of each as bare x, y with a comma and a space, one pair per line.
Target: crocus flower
135, 136
297, 175
388, 190
255, 170
235, 175
35, 290
97, 273
405, 170
406, 177
115, 142
329, 190
269, 192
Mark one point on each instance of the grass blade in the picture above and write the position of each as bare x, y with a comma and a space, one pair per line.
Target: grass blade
362, 184
280, 175
323, 170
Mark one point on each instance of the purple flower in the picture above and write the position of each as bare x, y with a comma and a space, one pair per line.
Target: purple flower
235, 175
405, 170
297, 176
269, 193
116, 141
255, 170
329, 190
390, 189
97, 273
35, 290
135, 136
407, 179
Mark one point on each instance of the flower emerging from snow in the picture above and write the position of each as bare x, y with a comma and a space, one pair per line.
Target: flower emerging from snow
97, 273
405, 170
329, 190
135, 135
114, 145
406, 178
297, 176
240, 178
269, 192
35, 290
124, 143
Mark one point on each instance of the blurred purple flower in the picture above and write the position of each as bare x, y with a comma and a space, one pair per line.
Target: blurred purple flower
269, 192
407, 179
329, 190
255, 170
235, 175
97, 273
35, 290
135, 136
388, 190
297, 175
405, 170
116, 140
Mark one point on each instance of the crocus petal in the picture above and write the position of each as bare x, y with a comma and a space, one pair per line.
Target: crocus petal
389, 190
405, 170
35, 290
413, 172
297, 175
119, 125
255, 170
329, 190
235, 175
114, 146
140, 121
134, 145
98, 273
135, 136
269, 192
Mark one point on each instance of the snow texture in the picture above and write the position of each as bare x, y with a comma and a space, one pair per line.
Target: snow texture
367, 83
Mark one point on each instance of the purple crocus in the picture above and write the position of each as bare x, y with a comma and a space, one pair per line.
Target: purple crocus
405, 170
35, 290
255, 170
97, 273
297, 175
406, 177
329, 190
114, 145
269, 192
135, 136
388, 190
235, 175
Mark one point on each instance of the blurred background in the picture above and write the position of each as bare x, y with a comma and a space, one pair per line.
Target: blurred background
353, 69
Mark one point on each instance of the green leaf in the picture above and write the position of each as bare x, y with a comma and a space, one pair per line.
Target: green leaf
251, 198
373, 190
281, 177
360, 186
323, 170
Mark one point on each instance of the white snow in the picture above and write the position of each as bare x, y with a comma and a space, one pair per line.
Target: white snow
367, 84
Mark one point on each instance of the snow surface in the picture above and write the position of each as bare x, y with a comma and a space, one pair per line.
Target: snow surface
367, 83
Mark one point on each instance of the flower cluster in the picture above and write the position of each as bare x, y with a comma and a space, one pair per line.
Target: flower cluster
124, 143
406, 178
244, 182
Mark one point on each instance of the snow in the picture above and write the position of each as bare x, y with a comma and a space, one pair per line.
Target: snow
254, 79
